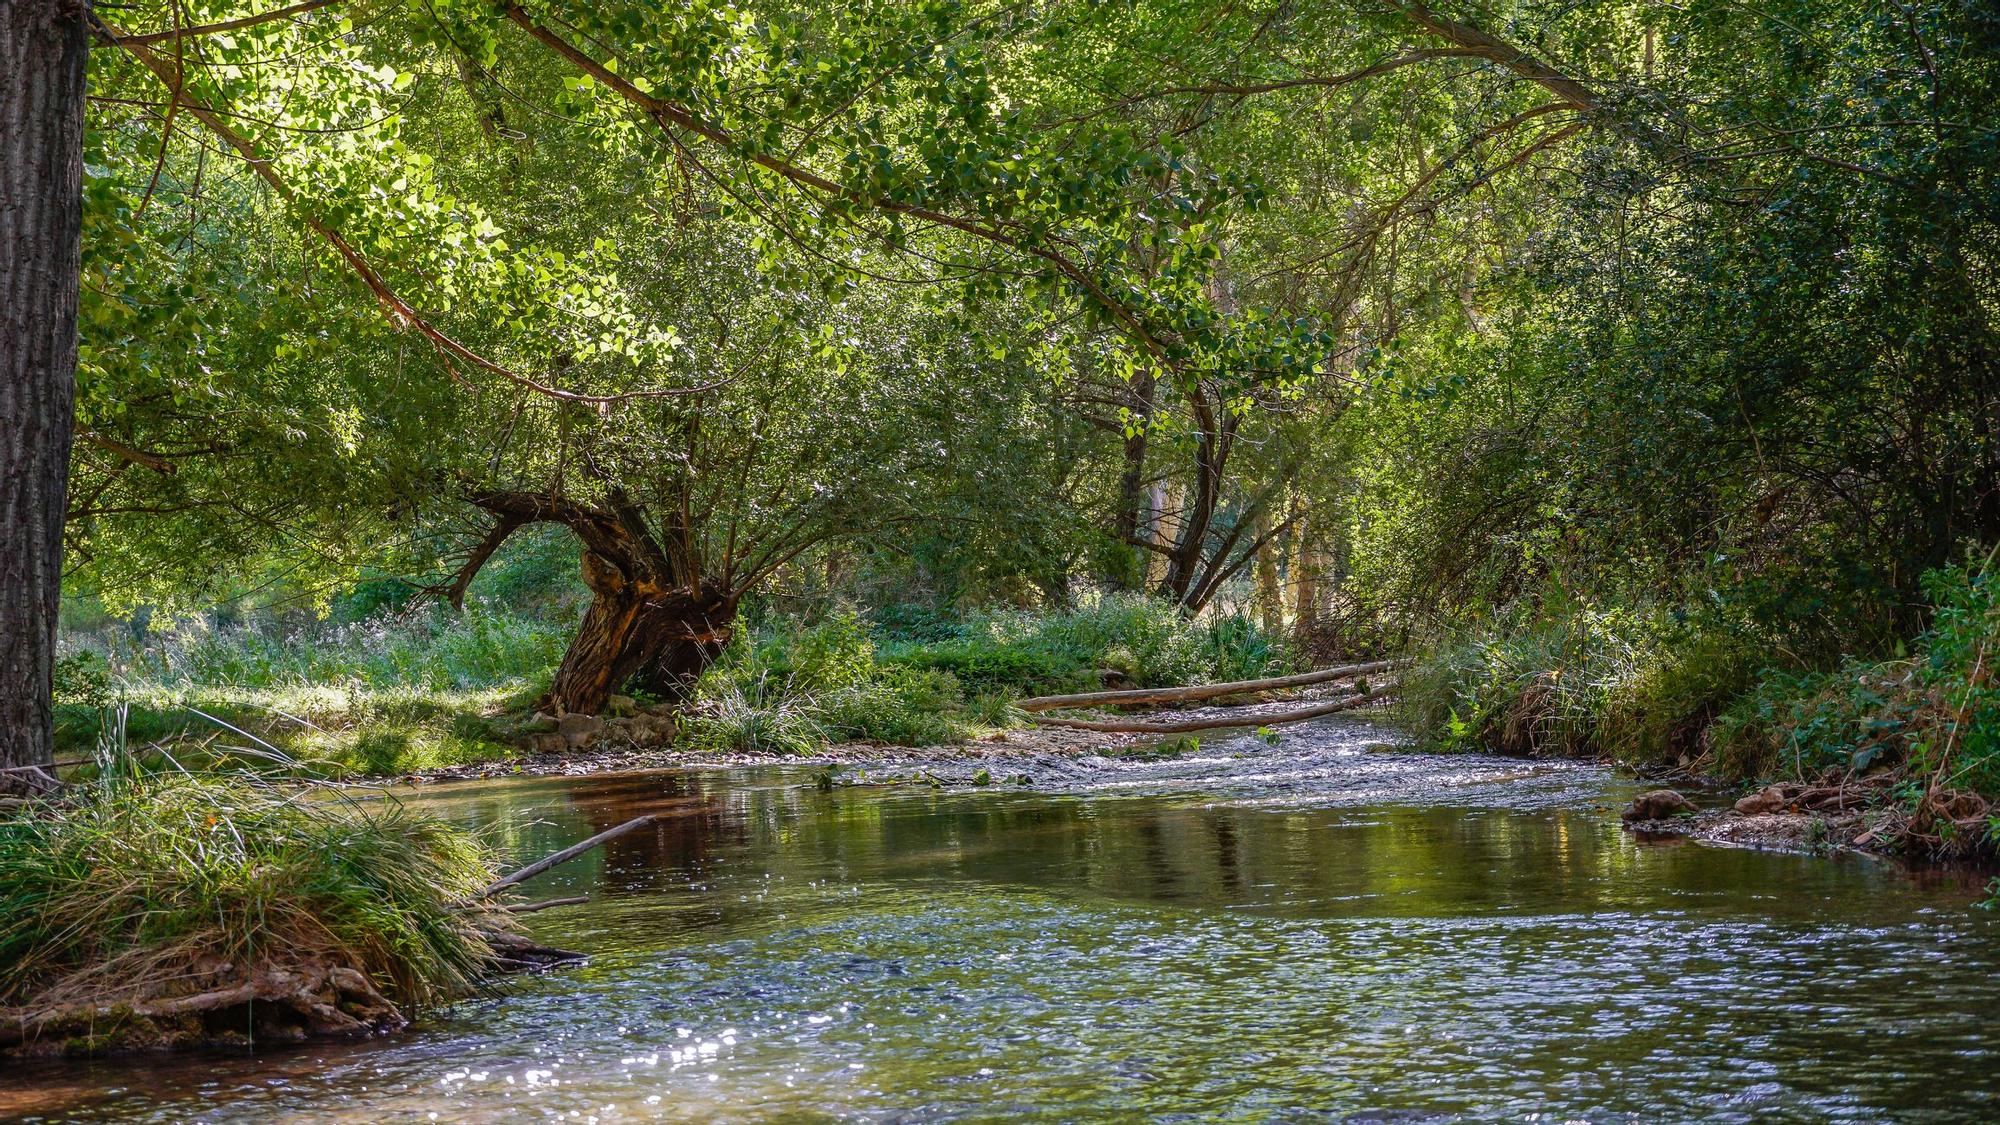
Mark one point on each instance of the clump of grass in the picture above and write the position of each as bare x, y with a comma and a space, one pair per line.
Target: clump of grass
730, 718
144, 887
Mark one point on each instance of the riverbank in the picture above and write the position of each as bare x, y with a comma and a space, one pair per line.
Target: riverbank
173, 911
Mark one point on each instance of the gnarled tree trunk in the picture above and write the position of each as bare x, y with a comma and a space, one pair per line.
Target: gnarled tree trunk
659, 638
43, 48
653, 618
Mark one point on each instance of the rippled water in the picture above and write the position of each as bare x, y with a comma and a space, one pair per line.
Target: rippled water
1320, 930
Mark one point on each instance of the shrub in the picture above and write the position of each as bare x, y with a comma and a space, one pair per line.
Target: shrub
1938, 714
1574, 679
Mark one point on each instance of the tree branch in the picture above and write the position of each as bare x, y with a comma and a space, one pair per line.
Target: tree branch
400, 313
238, 24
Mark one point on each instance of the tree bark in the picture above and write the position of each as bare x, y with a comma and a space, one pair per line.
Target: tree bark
1128, 524
1135, 696
1248, 717
1270, 594
662, 638
43, 48
652, 619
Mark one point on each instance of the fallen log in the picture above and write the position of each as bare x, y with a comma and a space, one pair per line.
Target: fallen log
1182, 726
1204, 691
563, 856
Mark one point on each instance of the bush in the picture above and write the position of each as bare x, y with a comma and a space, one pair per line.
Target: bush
1573, 679
1938, 714
793, 689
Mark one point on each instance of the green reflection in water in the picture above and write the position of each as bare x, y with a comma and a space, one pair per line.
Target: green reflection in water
769, 951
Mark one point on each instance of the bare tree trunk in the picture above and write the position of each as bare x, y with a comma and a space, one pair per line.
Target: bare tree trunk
1304, 567
43, 48
1127, 525
1270, 595
1166, 497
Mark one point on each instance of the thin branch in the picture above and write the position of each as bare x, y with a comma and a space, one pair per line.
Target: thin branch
400, 313
238, 24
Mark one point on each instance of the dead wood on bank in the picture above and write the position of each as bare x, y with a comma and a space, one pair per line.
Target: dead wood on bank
1137, 696
1244, 718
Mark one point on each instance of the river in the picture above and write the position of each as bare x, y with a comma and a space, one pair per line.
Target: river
1323, 929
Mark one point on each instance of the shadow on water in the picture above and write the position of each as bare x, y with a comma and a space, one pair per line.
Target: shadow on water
1321, 930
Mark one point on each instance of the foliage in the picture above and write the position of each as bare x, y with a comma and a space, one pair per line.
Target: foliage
1575, 679
1936, 715
795, 688
1143, 640
137, 881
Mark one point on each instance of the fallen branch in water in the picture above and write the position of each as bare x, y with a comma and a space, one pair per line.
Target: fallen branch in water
1205, 691
545, 904
563, 856
1267, 719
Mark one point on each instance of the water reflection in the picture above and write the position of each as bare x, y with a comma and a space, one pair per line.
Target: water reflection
1312, 932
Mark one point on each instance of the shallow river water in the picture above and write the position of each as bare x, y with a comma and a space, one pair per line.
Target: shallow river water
1325, 929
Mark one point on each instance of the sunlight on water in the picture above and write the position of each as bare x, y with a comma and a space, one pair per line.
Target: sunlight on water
1314, 931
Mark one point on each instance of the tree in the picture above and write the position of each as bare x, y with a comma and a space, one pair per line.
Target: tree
44, 45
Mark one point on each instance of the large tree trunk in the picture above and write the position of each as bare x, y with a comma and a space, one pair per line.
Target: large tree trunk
43, 48
653, 619
660, 639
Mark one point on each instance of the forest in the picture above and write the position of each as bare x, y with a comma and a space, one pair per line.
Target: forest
1066, 466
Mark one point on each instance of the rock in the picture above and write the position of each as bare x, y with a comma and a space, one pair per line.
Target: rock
1659, 804
547, 742
1767, 800
541, 721
573, 724
667, 709
622, 705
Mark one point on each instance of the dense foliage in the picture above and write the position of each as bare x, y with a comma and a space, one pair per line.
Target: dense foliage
1637, 361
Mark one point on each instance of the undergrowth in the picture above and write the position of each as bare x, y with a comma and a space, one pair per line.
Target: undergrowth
389, 694
1652, 689
792, 688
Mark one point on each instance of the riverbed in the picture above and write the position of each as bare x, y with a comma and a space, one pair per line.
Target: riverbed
1328, 928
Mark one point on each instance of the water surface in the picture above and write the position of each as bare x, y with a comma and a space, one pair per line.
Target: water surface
1319, 930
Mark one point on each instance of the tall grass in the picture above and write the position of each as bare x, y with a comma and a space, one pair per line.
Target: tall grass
141, 886
435, 650
388, 694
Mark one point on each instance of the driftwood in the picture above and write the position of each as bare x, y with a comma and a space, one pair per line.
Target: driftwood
564, 856
1204, 691
545, 904
1181, 726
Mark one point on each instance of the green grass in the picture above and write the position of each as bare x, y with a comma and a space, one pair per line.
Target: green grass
134, 883
793, 688
1144, 640
405, 691
387, 695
